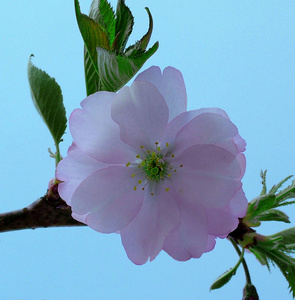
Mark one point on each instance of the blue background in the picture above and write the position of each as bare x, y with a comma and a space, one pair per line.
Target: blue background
237, 55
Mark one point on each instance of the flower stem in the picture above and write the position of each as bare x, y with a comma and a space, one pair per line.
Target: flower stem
57, 155
246, 270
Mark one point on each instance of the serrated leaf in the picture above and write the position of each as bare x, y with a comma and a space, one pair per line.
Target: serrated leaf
263, 177
227, 276
223, 279
116, 70
102, 60
260, 256
276, 187
285, 263
47, 98
285, 194
142, 44
273, 215
124, 25
92, 79
286, 203
262, 203
288, 236
102, 12
93, 34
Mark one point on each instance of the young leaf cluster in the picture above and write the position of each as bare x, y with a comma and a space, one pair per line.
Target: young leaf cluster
276, 250
264, 207
108, 65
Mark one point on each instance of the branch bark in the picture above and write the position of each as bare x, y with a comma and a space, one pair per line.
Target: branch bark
48, 211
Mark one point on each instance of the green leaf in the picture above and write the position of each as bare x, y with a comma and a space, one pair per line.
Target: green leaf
288, 236
285, 263
105, 35
260, 256
116, 70
223, 279
263, 176
124, 25
261, 204
227, 276
92, 79
276, 187
142, 44
48, 100
287, 193
93, 34
102, 12
273, 215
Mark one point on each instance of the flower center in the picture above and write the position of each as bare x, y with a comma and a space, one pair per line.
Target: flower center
154, 166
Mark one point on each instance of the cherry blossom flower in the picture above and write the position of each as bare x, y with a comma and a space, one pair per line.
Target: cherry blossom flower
160, 176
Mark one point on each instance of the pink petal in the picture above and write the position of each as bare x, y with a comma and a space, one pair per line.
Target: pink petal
80, 218
170, 84
224, 220
177, 124
207, 128
239, 204
209, 176
143, 238
72, 170
141, 113
242, 161
96, 133
221, 221
109, 199
240, 142
211, 243
190, 239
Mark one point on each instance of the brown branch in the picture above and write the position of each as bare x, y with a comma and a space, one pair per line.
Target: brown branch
47, 211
